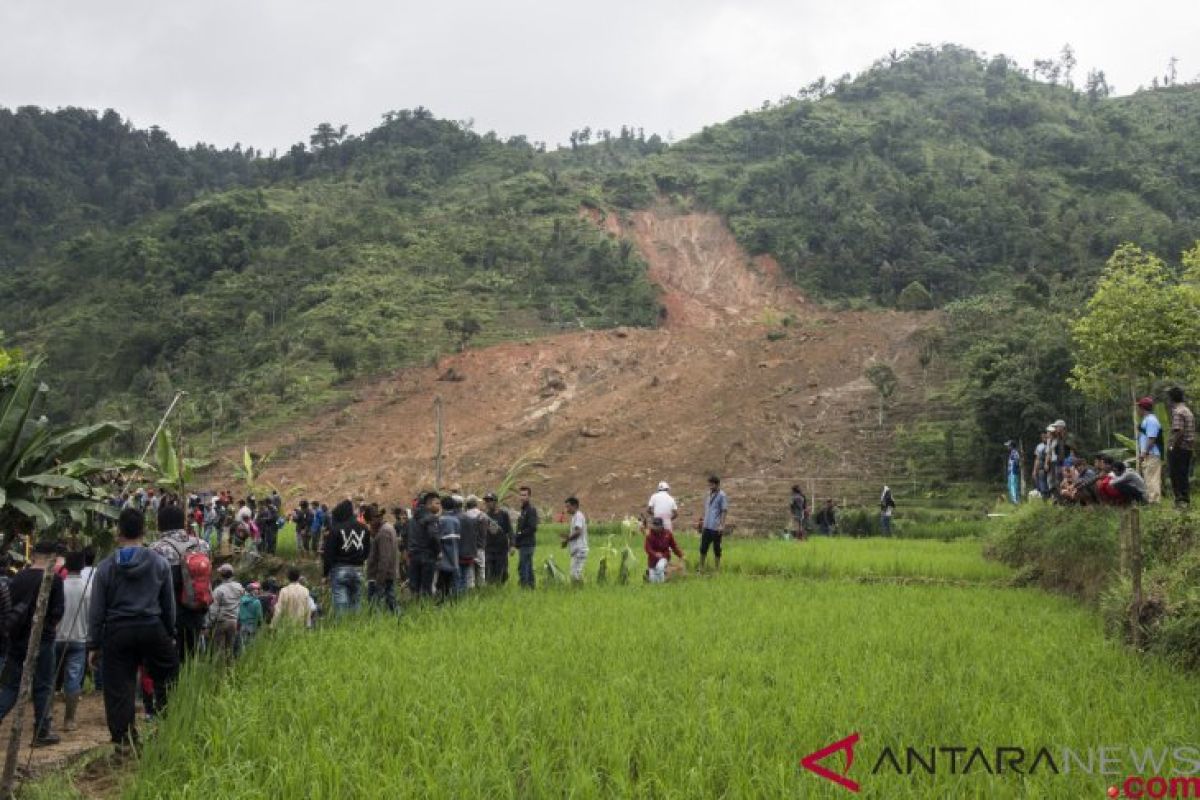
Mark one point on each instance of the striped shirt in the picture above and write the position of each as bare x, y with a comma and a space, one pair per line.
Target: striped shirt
1183, 427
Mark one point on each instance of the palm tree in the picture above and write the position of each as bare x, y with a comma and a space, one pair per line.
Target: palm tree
44, 470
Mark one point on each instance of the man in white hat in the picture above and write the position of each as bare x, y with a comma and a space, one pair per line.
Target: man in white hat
663, 506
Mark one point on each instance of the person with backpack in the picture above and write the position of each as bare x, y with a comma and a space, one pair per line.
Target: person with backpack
345, 553
190, 560
71, 643
130, 620
498, 543
24, 590
223, 613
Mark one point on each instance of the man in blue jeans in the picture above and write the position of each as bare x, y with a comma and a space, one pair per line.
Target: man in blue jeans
345, 552
24, 589
71, 644
526, 539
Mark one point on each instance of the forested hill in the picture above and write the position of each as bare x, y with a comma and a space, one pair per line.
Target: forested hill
259, 281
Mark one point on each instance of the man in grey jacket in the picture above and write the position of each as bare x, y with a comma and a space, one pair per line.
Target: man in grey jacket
223, 613
131, 618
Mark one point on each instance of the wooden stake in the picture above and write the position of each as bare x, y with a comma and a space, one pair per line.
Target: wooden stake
8, 783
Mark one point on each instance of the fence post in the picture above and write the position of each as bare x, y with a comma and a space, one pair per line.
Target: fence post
1135, 566
7, 785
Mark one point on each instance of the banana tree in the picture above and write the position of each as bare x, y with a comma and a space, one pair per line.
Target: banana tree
44, 470
173, 471
249, 472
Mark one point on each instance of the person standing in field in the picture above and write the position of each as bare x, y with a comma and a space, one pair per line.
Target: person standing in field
71, 645
798, 509
190, 561
424, 545
316, 527
659, 545
887, 507
346, 549
526, 539
826, 519
400, 514
132, 615
576, 539
1150, 449
499, 542
251, 614
293, 606
1012, 472
223, 614
663, 506
302, 519
472, 525
450, 576
24, 589
712, 528
383, 564
1038, 477
1180, 446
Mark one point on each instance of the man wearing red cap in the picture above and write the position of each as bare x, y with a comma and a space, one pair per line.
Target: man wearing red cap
1150, 449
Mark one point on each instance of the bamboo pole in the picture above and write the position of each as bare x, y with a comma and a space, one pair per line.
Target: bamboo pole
8, 783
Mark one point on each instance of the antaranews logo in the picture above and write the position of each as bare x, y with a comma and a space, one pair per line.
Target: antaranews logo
1174, 770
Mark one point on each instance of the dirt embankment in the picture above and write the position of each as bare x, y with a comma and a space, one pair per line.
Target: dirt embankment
723, 386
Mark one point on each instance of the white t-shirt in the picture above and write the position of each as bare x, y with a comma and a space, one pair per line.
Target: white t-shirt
663, 506
579, 545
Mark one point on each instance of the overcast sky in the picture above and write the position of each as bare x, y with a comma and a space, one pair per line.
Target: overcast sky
264, 72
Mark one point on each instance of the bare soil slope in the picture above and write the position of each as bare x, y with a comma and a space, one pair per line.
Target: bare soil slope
613, 412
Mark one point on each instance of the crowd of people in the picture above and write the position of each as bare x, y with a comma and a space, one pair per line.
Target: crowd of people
1062, 472
149, 606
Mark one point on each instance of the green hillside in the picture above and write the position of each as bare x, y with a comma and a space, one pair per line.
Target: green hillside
260, 282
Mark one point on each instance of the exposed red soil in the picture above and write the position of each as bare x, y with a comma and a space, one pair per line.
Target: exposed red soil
611, 413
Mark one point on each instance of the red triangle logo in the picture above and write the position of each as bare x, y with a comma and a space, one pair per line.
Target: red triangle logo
812, 762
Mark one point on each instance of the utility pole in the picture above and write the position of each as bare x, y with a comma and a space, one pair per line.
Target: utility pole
437, 407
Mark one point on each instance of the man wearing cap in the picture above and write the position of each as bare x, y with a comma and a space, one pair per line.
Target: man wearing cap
223, 613
1150, 449
1056, 455
659, 545
24, 589
499, 541
663, 506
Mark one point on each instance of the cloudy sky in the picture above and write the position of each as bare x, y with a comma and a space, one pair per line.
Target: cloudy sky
263, 72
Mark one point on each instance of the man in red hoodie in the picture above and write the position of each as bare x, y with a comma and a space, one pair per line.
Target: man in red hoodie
660, 543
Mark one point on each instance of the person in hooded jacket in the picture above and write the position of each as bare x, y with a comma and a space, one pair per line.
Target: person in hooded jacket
346, 550
131, 618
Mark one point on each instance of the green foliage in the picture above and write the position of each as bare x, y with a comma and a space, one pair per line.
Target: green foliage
1140, 325
1068, 549
44, 470
914, 297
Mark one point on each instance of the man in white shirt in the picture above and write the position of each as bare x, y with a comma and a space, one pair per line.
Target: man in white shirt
576, 540
663, 506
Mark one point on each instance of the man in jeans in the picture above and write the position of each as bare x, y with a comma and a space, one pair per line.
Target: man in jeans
131, 617
526, 539
1180, 446
716, 507
24, 589
71, 645
345, 552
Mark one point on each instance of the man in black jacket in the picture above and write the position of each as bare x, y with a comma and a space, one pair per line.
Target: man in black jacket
346, 550
424, 545
499, 541
24, 590
526, 541
131, 618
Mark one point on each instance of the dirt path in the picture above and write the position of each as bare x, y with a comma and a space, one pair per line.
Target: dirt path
92, 733
723, 386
